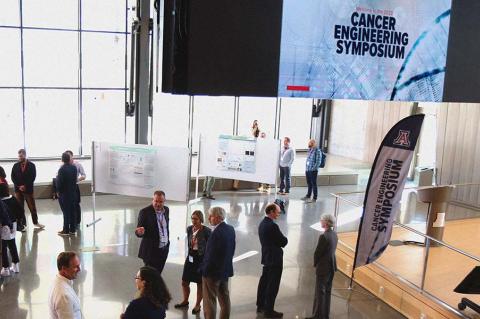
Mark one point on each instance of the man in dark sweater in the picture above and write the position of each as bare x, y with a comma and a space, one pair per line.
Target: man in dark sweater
272, 241
66, 187
23, 175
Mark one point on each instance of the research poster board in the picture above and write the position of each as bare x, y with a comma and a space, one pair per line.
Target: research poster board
139, 170
221, 157
236, 153
364, 49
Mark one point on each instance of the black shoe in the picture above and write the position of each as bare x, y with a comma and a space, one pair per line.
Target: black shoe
273, 314
259, 309
181, 305
210, 197
196, 310
204, 195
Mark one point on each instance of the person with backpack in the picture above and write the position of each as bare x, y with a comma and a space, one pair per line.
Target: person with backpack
315, 158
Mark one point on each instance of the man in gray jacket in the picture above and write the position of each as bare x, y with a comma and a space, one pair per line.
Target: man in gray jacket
287, 155
325, 265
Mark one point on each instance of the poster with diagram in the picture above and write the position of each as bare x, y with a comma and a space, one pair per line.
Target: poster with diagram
236, 153
139, 170
133, 166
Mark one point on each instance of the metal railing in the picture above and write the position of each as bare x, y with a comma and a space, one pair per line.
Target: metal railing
340, 198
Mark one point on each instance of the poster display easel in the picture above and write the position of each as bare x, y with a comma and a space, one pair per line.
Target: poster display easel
212, 160
138, 170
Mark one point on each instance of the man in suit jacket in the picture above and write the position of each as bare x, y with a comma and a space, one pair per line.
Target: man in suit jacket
217, 265
153, 228
23, 175
326, 265
67, 191
272, 241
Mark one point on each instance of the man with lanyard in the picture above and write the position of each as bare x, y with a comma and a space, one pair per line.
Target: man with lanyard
80, 177
153, 228
23, 177
314, 158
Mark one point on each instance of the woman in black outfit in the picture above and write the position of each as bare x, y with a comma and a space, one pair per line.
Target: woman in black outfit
152, 296
197, 235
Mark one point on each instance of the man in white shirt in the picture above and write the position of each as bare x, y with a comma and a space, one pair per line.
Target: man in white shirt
80, 177
63, 302
287, 155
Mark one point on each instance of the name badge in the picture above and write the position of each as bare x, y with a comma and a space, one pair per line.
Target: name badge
190, 258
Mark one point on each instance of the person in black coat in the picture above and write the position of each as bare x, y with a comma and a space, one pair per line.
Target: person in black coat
272, 241
15, 212
217, 265
23, 176
197, 237
66, 187
152, 297
155, 240
325, 266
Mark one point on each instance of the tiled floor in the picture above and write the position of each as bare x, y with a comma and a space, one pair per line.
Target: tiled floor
106, 283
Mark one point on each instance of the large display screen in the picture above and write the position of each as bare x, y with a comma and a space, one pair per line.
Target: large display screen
364, 49
402, 50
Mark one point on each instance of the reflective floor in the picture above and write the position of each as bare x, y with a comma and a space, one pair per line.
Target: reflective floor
106, 283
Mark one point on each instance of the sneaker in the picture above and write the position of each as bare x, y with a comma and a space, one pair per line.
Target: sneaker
5, 272
15, 268
40, 226
305, 198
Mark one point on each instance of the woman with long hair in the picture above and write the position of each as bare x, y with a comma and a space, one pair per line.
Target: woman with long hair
255, 129
197, 235
152, 297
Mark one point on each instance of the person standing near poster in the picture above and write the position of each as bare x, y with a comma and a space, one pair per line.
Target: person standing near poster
80, 177
314, 159
66, 187
153, 228
287, 155
23, 176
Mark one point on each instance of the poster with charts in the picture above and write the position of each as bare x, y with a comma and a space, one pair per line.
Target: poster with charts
140, 170
236, 153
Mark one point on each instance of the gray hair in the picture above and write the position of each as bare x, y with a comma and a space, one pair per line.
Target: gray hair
329, 219
217, 211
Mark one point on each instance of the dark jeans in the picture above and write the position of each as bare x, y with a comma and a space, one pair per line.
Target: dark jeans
312, 183
67, 204
10, 244
268, 287
21, 198
77, 208
285, 179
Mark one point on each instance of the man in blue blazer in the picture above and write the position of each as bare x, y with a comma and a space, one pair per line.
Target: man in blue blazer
67, 192
217, 265
153, 228
272, 241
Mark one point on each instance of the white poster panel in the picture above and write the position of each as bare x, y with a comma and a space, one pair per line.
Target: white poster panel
261, 166
139, 170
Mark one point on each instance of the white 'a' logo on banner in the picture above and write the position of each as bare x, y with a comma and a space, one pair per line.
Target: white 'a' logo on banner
403, 138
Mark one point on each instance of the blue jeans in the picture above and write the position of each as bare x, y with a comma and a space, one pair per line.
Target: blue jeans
285, 179
312, 183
